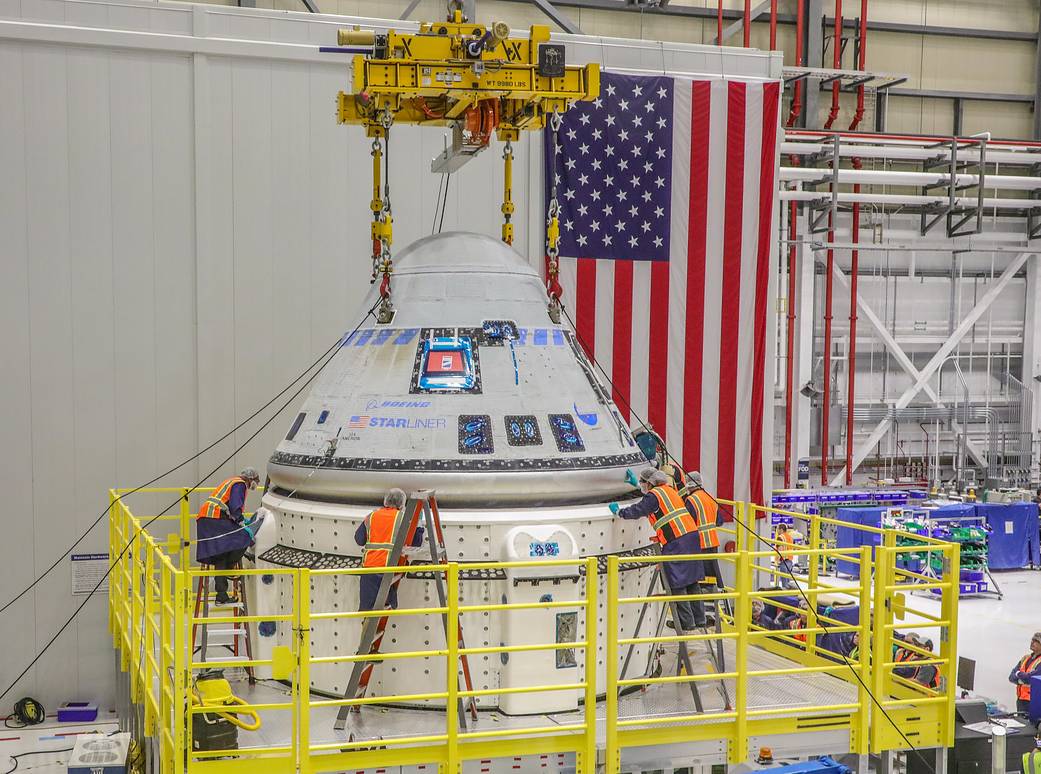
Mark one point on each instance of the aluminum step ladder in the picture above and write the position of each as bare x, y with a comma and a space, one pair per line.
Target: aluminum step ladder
420, 505
714, 648
240, 643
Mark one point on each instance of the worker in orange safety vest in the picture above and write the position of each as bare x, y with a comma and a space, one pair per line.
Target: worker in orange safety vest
677, 531
1028, 666
224, 534
376, 533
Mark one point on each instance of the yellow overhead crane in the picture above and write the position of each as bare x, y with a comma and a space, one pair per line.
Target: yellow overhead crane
475, 79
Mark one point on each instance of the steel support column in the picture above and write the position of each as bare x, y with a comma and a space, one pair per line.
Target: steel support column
814, 49
1032, 354
1037, 83
802, 405
937, 360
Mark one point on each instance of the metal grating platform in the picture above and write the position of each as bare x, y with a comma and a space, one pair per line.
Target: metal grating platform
785, 693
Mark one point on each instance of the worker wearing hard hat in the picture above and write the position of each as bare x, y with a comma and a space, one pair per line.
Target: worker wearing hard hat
1032, 759
784, 539
377, 534
1028, 666
679, 529
224, 535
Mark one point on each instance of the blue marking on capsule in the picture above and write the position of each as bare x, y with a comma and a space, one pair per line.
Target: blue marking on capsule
541, 337
406, 336
382, 336
558, 337
363, 338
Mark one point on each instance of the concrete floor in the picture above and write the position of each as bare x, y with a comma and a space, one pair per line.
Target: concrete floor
996, 632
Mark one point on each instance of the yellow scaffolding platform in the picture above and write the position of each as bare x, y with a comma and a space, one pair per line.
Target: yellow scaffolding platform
783, 689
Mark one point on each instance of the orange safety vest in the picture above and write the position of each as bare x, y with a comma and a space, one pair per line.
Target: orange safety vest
933, 683
216, 505
786, 537
798, 623
382, 525
675, 521
1027, 664
701, 504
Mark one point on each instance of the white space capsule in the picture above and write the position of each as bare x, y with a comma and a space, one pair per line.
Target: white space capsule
472, 391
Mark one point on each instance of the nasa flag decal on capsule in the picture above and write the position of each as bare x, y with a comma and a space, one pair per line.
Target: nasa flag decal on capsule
667, 192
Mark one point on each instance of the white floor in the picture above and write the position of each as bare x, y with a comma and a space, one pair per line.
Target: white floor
49, 743
996, 632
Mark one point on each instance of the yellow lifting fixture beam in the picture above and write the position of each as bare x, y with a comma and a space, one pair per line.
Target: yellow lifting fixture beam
435, 76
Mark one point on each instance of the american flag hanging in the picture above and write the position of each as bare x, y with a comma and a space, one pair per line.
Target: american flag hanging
667, 191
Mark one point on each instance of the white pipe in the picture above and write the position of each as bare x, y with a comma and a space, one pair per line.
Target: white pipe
895, 177
897, 200
906, 153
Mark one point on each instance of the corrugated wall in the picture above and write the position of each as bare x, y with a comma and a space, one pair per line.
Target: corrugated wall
183, 229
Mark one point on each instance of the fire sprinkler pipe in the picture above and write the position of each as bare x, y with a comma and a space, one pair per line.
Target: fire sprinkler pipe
748, 23
719, 24
796, 109
861, 65
836, 44
773, 25
793, 257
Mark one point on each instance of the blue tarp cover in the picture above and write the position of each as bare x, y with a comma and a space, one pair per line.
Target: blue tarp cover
1013, 539
850, 537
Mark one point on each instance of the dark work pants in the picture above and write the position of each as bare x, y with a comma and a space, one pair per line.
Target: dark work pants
692, 614
225, 561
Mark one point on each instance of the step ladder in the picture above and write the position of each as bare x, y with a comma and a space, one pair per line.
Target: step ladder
420, 510
657, 586
239, 641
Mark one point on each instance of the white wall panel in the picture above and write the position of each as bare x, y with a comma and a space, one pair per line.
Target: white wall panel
183, 229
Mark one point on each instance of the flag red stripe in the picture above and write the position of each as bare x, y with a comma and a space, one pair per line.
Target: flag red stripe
733, 222
622, 356
585, 305
658, 349
693, 367
767, 162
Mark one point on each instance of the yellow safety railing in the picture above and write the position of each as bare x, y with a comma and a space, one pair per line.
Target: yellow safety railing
878, 697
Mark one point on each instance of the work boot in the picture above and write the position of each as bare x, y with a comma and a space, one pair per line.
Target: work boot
223, 598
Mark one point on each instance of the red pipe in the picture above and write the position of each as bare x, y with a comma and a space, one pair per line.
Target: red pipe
861, 65
829, 284
793, 115
793, 257
748, 23
719, 24
773, 25
836, 44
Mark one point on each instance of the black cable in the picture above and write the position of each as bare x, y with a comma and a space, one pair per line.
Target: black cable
444, 203
177, 467
151, 521
755, 535
34, 752
437, 203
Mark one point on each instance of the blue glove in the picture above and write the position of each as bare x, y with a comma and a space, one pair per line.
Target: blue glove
613, 507
248, 527
630, 478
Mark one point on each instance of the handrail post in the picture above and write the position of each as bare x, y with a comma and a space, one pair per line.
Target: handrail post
879, 642
864, 652
742, 617
740, 534
112, 553
588, 763
949, 639
813, 575
452, 671
182, 727
136, 606
165, 705
149, 640
614, 755
186, 529
301, 739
